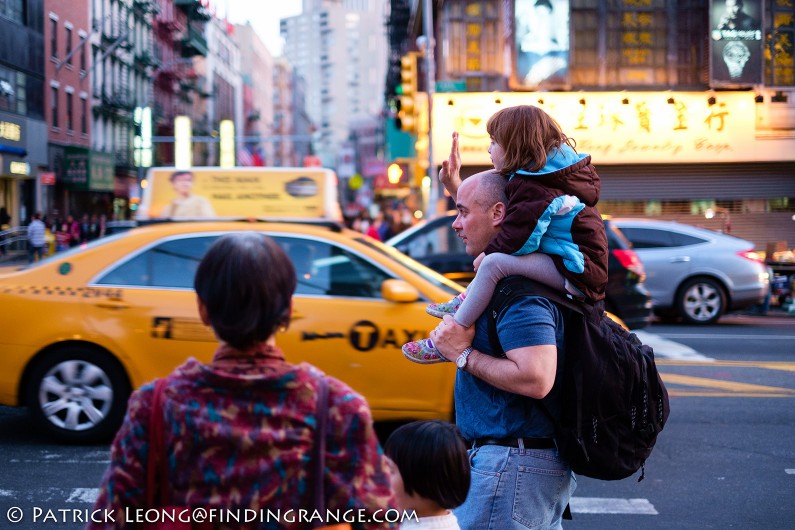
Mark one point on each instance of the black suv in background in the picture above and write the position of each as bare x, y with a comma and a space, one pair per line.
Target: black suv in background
435, 244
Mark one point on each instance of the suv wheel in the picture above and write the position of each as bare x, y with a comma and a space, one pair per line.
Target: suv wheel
78, 394
701, 301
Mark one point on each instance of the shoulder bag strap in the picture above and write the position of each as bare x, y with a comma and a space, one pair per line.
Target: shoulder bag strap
319, 447
157, 449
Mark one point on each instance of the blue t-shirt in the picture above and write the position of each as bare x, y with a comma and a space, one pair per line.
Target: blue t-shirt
484, 411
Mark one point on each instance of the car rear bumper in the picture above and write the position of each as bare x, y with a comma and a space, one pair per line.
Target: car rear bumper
749, 296
632, 305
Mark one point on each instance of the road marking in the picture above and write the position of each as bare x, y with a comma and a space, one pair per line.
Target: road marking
729, 337
770, 365
669, 349
789, 471
600, 505
86, 495
727, 388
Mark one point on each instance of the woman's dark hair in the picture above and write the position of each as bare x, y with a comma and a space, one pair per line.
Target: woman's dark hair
246, 282
432, 460
527, 135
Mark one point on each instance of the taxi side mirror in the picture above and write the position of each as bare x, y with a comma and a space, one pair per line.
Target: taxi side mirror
399, 291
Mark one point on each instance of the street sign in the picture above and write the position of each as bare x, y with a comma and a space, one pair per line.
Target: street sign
451, 86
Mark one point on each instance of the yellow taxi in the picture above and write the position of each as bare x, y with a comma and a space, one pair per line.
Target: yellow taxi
85, 326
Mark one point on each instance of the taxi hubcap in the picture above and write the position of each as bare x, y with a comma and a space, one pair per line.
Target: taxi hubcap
75, 395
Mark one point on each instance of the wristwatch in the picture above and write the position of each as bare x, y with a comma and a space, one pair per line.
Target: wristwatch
461, 360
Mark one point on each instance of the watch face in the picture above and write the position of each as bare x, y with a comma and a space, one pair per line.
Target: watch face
461, 361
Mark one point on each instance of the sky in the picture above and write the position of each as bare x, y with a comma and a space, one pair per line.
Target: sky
264, 15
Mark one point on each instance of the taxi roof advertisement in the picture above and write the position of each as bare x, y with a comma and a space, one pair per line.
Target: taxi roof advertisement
240, 193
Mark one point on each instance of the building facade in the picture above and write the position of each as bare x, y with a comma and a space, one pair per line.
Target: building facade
257, 70
23, 150
683, 116
292, 126
339, 48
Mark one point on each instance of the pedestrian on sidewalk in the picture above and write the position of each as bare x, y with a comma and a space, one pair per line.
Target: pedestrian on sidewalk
36, 238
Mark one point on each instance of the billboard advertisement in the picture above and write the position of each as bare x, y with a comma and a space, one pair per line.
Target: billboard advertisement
736, 55
240, 193
541, 44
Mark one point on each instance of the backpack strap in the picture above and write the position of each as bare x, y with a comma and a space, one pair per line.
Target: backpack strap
513, 287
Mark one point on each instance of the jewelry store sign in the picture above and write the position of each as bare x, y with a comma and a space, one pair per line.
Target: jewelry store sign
618, 127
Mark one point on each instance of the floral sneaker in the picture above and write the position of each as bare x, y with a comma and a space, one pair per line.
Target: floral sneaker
422, 352
447, 308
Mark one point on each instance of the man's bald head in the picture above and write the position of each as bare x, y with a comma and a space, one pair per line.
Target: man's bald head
489, 188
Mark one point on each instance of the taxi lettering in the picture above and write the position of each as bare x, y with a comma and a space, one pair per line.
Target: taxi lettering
365, 336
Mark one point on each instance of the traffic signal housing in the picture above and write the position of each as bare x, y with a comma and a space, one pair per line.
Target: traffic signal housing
405, 103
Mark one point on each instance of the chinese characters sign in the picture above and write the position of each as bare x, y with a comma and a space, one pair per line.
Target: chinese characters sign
618, 127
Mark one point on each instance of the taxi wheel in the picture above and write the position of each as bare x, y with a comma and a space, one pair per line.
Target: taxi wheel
78, 394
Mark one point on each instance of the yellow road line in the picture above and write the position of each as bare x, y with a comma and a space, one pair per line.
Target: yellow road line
770, 365
696, 393
735, 388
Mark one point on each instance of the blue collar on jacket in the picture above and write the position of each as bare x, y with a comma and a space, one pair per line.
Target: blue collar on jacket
557, 159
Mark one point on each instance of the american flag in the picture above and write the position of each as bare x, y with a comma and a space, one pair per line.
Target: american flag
244, 157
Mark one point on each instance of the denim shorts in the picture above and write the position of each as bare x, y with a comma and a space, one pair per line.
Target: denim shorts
516, 488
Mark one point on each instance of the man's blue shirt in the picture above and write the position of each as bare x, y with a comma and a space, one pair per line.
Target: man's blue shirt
484, 411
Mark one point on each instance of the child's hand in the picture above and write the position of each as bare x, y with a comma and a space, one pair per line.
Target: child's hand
450, 174
478, 260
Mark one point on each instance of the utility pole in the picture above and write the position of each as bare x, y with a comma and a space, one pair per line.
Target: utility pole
430, 81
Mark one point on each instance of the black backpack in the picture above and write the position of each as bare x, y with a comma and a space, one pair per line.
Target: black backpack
614, 401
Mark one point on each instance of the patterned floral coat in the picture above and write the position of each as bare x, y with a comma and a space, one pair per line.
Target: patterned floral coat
240, 435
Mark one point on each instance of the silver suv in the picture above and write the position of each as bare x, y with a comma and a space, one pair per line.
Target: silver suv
695, 273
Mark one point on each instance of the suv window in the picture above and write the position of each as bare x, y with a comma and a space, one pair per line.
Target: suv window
170, 264
439, 238
325, 269
655, 238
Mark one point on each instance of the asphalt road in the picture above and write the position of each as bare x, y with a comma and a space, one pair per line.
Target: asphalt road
726, 458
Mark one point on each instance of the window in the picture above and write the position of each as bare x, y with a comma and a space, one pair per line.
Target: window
171, 264
328, 270
68, 46
54, 38
627, 43
54, 105
69, 114
13, 10
83, 115
82, 45
654, 238
780, 44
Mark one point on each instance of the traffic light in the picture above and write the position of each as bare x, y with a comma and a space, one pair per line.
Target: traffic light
406, 102
394, 173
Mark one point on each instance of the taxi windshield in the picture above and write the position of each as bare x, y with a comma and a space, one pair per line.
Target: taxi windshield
428, 274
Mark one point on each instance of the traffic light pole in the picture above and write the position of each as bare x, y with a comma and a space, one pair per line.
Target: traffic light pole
430, 81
